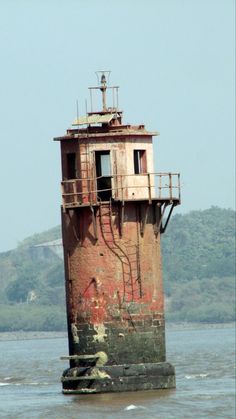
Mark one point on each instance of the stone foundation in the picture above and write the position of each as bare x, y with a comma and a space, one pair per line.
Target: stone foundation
118, 378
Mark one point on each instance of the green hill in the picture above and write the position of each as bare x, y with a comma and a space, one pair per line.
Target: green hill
199, 272
32, 293
199, 266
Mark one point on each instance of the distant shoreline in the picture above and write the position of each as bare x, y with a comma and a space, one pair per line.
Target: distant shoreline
197, 325
23, 335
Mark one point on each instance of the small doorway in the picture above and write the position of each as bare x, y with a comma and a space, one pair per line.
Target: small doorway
71, 165
103, 173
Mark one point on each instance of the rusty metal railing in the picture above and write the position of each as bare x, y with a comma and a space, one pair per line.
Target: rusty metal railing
157, 186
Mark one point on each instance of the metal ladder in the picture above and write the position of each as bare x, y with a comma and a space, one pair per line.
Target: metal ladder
128, 256
84, 172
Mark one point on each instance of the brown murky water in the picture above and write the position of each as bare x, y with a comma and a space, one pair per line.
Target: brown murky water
30, 380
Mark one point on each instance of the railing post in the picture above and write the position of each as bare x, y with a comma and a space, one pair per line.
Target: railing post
149, 189
89, 190
170, 185
62, 195
74, 191
179, 187
160, 183
122, 189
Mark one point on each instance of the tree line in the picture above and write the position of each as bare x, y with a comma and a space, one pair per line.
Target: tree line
198, 251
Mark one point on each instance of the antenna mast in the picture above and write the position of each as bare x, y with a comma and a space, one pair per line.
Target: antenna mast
103, 84
102, 79
103, 89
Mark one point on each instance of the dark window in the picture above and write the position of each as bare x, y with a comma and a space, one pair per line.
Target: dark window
103, 165
103, 171
71, 165
140, 165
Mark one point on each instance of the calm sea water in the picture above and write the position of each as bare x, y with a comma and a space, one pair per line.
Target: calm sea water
204, 359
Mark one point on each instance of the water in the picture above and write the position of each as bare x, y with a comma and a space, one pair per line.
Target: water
204, 359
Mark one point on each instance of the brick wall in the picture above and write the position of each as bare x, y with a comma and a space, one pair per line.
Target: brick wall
114, 283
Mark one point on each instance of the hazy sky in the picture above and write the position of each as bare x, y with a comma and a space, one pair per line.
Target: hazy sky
174, 63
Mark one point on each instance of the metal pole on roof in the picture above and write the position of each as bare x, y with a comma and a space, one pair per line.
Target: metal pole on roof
113, 98
86, 111
91, 100
117, 103
77, 111
103, 89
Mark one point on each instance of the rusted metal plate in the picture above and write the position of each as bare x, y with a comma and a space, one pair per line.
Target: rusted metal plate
94, 119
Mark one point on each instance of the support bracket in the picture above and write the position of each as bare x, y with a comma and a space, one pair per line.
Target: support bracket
157, 226
122, 215
143, 220
163, 228
94, 223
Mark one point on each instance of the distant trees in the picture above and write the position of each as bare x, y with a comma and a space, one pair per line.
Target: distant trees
199, 265
199, 274
200, 244
206, 300
18, 290
32, 318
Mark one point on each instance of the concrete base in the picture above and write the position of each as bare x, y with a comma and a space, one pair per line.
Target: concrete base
118, 378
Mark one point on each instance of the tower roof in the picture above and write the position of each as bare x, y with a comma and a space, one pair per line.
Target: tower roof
107, 121
94, 118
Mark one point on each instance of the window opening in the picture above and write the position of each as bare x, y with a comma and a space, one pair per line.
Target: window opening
71, 165
103, 164
140, 164
103, 172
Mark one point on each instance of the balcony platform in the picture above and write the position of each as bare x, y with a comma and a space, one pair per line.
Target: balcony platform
161, 201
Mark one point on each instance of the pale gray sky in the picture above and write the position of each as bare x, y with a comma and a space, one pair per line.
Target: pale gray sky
174, 63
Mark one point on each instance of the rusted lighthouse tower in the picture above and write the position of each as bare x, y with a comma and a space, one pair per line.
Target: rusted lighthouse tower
112, 218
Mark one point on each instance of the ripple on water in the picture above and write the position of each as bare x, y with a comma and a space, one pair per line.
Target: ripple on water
204, 373
192, 376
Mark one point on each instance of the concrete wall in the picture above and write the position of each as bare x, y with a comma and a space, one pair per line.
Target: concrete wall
122, 163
